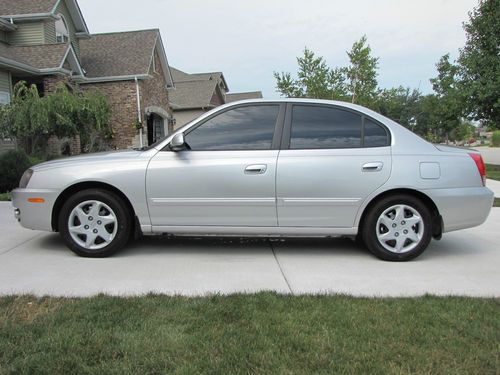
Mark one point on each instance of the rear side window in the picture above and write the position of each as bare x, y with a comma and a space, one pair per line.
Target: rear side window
243, 128
374, 135
316, 127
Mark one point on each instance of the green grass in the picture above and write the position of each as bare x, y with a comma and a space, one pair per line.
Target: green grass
241, 334
496, 202
493, 171
4, 197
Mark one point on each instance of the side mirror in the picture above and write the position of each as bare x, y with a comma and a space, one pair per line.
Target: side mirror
177, 143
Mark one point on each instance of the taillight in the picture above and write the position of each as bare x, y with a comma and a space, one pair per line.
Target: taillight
480, 166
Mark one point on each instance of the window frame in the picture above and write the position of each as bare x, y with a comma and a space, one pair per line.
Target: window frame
277, 133
66, 36
287, 129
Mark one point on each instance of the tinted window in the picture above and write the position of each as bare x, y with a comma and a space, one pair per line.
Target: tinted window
322, 127
244, 128
375, 135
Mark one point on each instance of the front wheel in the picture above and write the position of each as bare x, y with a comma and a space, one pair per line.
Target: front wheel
94, 223
398, 228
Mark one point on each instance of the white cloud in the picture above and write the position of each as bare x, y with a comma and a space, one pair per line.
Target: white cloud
248, 40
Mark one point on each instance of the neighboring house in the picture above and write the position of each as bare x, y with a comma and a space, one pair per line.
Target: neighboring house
195, 94
45, 42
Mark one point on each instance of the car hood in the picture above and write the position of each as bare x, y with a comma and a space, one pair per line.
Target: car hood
99, 157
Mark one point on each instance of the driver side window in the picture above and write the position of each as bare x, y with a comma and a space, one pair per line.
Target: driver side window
242, 128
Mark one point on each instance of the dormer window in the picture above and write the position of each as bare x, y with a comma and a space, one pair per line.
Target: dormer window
62, 34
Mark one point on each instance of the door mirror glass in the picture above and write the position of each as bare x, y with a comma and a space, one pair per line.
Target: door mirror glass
178, 143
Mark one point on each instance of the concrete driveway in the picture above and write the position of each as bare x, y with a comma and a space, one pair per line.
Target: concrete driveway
463, 263
491, 155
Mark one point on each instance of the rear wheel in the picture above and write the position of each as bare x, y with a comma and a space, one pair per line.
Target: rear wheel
94, 223
398, 228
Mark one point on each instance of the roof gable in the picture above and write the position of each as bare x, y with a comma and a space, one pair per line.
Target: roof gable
123, 54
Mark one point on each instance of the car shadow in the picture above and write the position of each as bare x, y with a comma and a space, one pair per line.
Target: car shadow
446, 248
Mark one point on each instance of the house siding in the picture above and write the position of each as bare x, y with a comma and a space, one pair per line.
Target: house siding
28, 33
63, 9
49, 28
3, 36
182, 117
4, 81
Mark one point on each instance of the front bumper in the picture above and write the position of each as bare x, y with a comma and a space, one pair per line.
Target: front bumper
33, 207
462, 208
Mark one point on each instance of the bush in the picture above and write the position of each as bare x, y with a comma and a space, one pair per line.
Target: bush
12, 166
495, 140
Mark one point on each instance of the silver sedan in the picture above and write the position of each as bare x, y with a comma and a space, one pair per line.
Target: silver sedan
290, 167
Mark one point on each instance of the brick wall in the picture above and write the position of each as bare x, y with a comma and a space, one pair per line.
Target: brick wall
154, 91
121, 96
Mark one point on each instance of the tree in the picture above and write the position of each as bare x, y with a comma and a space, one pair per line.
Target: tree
31, 119
400, 104
449, 109
480, 63
362, 73
314, 79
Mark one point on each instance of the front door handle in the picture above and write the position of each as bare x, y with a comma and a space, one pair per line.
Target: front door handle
374, 166
256, 169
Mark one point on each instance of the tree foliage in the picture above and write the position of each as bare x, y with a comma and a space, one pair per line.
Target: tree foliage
356, 82
31, 119
362, 73
479, 62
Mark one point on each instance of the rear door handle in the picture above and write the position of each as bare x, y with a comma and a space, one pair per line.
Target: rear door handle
256, 169
373, 166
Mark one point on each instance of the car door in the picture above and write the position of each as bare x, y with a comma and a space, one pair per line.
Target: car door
226, 176
332, 158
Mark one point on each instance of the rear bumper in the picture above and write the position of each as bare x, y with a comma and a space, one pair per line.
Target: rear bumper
34, 215
462, 208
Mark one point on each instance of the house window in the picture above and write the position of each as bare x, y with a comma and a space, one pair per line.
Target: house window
62, 34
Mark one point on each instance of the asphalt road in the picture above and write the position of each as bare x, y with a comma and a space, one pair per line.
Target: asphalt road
462, 263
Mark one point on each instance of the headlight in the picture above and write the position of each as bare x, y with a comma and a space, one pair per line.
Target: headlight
25, 179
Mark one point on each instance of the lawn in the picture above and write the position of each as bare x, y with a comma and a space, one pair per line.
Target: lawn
263, 333
4, 197
493, 171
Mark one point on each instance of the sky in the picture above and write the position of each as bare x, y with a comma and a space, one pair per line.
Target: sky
248, 40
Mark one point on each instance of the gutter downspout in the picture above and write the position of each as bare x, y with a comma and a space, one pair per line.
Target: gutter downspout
137, 94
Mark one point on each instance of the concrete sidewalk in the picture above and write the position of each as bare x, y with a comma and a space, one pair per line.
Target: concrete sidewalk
462, 263
494, 186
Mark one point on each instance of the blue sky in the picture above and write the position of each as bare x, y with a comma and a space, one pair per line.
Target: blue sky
248, 40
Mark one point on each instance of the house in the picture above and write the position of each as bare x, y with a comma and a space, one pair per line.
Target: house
45, 42
195, 94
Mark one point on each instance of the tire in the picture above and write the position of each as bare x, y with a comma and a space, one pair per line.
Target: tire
398, 228
95, 223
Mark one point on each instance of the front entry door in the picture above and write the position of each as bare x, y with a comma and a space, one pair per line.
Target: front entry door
224, 177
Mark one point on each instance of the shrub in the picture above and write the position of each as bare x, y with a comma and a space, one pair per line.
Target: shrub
12, 166
495, 140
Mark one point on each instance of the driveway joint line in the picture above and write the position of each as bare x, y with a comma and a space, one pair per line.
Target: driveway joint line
279, 266
21, 244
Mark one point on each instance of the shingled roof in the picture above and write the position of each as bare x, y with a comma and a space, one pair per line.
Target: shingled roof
48, 56
17, 7
118, 54
243, 95
192, 94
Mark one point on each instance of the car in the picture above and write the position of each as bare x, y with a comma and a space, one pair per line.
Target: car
288, 167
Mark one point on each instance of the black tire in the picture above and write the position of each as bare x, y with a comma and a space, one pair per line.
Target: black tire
123, 218
369, 230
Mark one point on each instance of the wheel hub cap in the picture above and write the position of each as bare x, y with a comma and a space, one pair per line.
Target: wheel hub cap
92, 224
400, 228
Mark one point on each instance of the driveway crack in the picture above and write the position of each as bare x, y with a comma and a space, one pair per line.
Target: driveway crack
280, 268
21, 244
